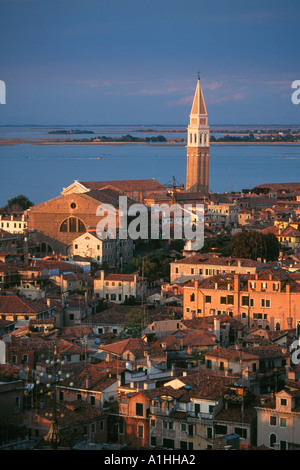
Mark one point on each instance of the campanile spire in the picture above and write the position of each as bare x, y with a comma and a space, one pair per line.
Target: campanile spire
198, 145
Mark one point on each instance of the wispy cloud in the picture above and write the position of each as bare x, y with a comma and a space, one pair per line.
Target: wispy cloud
93, 83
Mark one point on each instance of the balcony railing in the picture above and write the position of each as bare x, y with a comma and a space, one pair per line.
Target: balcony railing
157, 410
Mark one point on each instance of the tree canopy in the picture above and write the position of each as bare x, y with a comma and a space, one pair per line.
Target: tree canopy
18, 202
253, 245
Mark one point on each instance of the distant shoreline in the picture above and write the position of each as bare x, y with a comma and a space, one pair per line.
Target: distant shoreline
11, 142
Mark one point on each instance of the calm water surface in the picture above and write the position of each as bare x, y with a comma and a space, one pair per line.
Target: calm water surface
42, 171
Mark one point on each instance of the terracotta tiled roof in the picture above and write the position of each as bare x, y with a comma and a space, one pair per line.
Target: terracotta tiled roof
206, 385
71, 413
125, 185
290, 232
185, 338
237, 415
270, 351
107, 196
279, 186
57, 264
248, 353
220, 261
134, 345
7, 268
232, 354
7, 235
110, 316
100, 379
12, 304
9, 372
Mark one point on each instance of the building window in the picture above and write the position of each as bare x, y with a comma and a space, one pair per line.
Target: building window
230, 299
192, 298
220, 429
72, 225
184, 445
283, 445
140, 431
152, 441
242, 432
121, 426
139, 409
265, 303
273, 439
273, 421
223, 300
245, 300
17, 401
283, 401
93, 400
168, 443
208, 299
282, 422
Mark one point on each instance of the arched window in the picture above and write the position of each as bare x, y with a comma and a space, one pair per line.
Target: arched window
273, 439
73, 225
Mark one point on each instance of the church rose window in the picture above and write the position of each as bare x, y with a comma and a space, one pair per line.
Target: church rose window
73, 225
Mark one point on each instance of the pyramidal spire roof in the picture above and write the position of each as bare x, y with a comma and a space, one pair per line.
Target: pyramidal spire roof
198, 103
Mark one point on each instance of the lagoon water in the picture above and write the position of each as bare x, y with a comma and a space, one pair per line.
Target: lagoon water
42, 171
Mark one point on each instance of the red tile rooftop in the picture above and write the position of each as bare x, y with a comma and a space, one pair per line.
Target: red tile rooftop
12, 304
222, 261
125, 185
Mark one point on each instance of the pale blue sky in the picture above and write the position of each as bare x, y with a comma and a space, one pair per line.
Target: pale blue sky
136, 61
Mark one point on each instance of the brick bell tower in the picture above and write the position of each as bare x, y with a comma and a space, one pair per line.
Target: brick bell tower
197, 173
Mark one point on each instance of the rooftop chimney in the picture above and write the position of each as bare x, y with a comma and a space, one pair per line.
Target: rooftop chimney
88, 382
